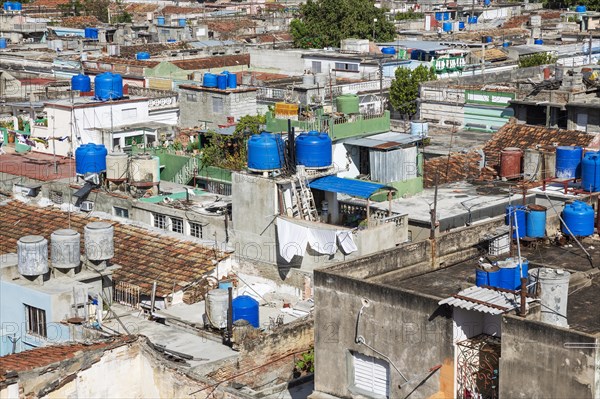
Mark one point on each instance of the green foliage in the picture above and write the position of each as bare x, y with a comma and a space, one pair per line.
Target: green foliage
325, 23
306, 362
409, 15
537, 59
405, 88
96, 8
230, 152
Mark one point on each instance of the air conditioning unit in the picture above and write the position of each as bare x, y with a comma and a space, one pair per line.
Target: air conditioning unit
87, 206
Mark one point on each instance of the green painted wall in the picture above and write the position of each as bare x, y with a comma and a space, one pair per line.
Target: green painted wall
488, 118
214, 173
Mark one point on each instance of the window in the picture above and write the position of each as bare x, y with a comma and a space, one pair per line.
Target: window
159, 221
342, 66
191, 97
121, 212
36, 321
177, 225
371, 375
196, 230
217, 105
316, 67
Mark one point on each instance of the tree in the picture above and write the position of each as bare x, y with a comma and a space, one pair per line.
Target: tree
324, 23
537, 59
405, 88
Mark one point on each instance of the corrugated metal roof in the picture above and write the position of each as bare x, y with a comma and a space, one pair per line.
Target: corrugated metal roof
384, 141
484, 300
354, 188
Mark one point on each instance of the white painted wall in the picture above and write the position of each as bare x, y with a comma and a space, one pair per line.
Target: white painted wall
345, 158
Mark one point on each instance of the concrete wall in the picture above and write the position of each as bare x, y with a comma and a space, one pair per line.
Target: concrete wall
536, 364
197, 107
592, 118
287, 62
403, 327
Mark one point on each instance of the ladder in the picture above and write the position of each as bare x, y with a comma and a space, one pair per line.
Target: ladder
303, 202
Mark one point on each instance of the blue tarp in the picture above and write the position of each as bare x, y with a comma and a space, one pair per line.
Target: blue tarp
354, 188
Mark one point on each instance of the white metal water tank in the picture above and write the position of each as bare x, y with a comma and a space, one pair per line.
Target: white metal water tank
217, 303
33, 255
66, 248
144, 170
553, 290
116, 166
99, 241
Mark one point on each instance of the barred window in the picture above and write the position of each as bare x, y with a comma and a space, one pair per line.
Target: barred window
159, 221
196, 230
177, 225
121, 212
36, 321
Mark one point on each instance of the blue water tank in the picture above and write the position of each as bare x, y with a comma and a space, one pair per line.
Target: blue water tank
7, 6
143, 55
447, 27
221, 81
3, 43
505, 44
536, 221
579, 218
246, 308
160, 21
108, 86
90, 33
519, 219
81, 82
90, 158
232, 81
486, 2
568, 162
487, 39
580, 9
446, 16
590, 172
439, 16
511, 272
472, 20
314, 150
171, 40
538, 41
16, 6
461, 25
388, 50
494, 278
209, 80
265, 152
481, 277
117, 86
181, 21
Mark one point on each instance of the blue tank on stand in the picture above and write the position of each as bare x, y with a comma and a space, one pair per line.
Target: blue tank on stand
82, 83
590, 172
232, 80
209, 80
221, 82
568, 162
388, 50
265, 152
90, 158
314, 150
536, 221
246, 308
579, 218
518, 219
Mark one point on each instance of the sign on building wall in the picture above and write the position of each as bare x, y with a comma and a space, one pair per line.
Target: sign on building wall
488, 97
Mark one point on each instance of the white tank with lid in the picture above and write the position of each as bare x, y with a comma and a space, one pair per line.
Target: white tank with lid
33, 255
99, 241
217, 303
66, 248
116, 166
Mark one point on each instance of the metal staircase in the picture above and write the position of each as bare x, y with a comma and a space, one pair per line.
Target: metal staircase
186, 173
303, 202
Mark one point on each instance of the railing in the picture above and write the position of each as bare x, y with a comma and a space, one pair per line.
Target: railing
186, 173
127, 294
351, 209
270, 93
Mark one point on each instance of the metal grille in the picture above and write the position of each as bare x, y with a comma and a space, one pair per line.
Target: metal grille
127, 294
218, 188
56, 197
36, 321
477, 367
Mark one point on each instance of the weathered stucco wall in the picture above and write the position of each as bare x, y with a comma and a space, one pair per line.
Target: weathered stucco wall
540, 361
403, 326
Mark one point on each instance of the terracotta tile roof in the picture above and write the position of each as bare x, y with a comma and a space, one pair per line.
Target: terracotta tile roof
80, 22
492, 54
225, 26
35, 81
526, 136
212, 62
47, 3
152, 48
38, 166
145, 256
141, 8
168, 10
453, 168
274, 37
47, 355
125, 61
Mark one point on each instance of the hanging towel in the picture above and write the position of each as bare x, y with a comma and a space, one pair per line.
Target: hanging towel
292, 239
322, 241
346, 241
